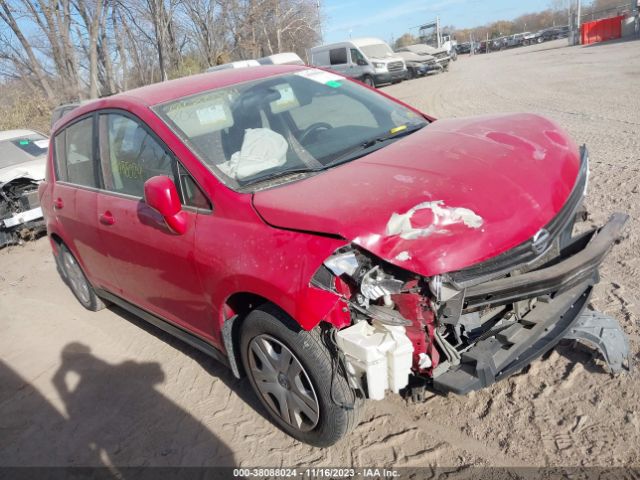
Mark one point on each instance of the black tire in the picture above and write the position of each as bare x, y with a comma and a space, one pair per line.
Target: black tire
334, 406
368, 80
412, 74
72, 274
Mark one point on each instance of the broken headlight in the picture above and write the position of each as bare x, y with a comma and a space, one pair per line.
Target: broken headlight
341, 263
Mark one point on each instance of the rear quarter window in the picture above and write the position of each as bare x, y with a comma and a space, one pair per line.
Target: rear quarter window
74, 158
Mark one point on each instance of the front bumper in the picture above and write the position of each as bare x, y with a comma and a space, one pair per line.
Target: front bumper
390, 77
562, 288
426, 68
22, 217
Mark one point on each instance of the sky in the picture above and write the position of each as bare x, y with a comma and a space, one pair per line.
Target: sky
390, 19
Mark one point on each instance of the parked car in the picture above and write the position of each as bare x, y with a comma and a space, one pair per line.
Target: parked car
61, 110
420, 65
233, 65
464, 48
555, 33
370, 60
499, 43
482, 47
516, 40
325, 240
532, 38
22, 168
286, 58
442, 57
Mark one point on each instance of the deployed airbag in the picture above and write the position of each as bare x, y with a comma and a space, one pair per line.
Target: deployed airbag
262, 149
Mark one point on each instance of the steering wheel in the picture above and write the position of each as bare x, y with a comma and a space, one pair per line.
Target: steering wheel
312, 129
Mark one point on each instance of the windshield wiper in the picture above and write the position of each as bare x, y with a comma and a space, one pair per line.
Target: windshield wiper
283, 173
363, 148
351, 154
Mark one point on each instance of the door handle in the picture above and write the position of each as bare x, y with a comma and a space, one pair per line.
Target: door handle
107, 218
58, 204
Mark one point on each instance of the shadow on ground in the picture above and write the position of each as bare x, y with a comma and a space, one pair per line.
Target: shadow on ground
214, 368
113, 417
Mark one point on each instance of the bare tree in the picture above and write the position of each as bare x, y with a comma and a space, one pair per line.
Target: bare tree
33, 65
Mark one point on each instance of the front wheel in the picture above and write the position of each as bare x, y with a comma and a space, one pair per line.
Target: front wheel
368, 80
297, 377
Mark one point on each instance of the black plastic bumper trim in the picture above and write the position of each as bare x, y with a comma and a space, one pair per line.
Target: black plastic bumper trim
575, 269
495, 358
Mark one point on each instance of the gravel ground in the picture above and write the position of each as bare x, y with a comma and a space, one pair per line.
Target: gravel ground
81, 388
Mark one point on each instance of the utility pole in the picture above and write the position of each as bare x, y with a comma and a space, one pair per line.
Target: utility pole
319, 22
575, 21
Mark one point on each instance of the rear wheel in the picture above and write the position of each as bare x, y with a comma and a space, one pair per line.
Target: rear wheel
297, 378
75, 278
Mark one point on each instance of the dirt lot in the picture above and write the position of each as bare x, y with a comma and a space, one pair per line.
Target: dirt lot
78, 388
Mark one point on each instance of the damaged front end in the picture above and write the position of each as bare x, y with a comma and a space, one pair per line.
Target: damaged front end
20, 213
464, 330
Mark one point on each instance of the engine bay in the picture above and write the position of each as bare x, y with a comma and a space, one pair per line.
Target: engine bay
20, 212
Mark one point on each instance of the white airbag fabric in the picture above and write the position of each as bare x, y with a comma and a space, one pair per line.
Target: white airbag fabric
261, 150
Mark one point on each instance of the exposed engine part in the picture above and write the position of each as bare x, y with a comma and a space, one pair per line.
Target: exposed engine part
453, 357
425, 361
387, 315
449, 312
381, 353
376, 284
20, 212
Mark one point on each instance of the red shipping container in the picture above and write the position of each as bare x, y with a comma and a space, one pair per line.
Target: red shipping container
602, 30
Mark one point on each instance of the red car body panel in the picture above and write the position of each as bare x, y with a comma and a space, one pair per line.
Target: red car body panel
188, 279
516, 182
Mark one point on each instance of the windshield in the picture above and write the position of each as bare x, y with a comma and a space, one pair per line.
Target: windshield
22, 149
379, 50
301, 122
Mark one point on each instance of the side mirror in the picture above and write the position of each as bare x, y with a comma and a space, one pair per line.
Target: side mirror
160, 194
362, 63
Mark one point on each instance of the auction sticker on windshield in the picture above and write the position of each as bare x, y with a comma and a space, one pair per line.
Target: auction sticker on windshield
320, 76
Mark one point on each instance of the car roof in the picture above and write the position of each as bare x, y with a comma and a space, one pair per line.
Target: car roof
357, 42
9, 134
364, 41
162, 92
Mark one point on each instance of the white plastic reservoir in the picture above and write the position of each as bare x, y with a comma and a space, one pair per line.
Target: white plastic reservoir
382, 352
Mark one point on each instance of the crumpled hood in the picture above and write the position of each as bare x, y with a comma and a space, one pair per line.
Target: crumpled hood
453, 194
35, 170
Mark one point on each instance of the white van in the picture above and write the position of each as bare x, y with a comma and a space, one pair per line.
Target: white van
370, 60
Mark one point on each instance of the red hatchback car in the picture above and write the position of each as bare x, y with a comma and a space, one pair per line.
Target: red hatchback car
325, 240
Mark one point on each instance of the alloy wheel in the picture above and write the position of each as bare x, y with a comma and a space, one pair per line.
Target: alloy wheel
76, 278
